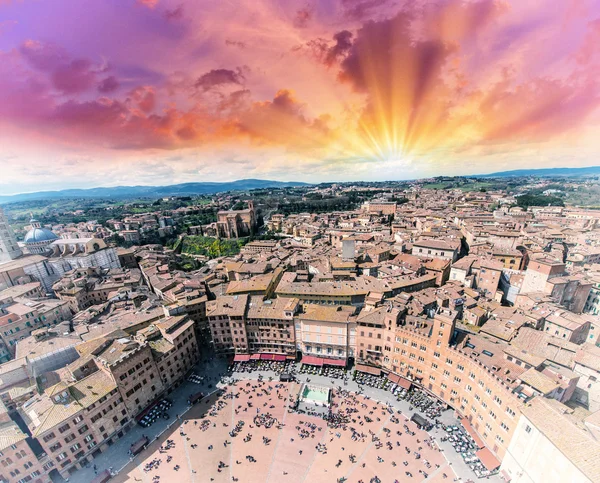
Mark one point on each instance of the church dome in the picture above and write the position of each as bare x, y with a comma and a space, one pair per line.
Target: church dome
38, 234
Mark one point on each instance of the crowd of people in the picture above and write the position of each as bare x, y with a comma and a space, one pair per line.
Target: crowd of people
351, 417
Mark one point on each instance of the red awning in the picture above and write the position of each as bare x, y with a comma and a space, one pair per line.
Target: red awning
241, 358
393, 377
312, 360
488, 459
471, 430
265, 356
334, 362
368, 369
254, 357
404, 383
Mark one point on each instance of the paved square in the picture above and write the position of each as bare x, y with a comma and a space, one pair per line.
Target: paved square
247, 433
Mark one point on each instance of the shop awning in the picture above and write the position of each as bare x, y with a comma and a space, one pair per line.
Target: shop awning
488, 459
368, 369
254, 357
471, 430
267, 356
393, 378
401, 381
334, 362
312, 360
404, 383
505, 476
241, 358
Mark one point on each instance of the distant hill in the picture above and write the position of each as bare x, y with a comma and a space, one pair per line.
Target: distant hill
185, 189
587, 171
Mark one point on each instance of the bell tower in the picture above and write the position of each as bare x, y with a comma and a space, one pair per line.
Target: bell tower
9, 249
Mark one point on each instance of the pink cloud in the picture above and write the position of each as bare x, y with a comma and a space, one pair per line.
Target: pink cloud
108, 84
43, 56
74, 77
151, 4
220, 77
303, 17
144, 98
174, 14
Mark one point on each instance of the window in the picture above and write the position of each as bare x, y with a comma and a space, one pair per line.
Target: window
63, 428
48, 437
527, 428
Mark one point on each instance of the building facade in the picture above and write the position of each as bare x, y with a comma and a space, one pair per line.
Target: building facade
236, 224
9, 248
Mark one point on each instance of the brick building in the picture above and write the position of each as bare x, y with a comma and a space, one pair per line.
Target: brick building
471, 374
18, 462
84, 287
238, 223
131, 365
174, 348
76, 421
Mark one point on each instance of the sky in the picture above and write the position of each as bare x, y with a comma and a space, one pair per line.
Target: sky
155, 92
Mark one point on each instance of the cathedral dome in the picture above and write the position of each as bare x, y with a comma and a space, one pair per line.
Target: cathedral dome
38, 234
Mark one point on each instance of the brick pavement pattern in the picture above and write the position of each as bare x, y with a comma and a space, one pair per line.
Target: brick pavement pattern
298, 447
